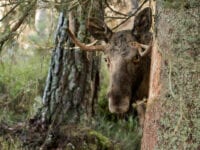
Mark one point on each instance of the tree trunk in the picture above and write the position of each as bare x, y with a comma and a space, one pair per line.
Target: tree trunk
172, 117
73, 78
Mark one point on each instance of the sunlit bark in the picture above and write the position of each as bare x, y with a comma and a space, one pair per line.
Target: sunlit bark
172, 115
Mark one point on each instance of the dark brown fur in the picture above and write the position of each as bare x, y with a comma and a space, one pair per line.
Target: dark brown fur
129, 72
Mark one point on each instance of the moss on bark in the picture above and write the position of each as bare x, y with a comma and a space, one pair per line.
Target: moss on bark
178, 107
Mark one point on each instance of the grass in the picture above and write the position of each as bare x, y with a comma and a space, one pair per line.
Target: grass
21, 86
22, 80
126, 132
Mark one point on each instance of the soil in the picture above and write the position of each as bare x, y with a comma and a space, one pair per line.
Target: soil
67, 137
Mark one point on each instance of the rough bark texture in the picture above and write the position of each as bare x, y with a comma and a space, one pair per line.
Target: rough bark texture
172, 117
73, 78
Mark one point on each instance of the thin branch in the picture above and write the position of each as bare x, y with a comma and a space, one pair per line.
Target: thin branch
115, 17
12, 3
117, 12
7, 4
17, 25
130, 16
10, 11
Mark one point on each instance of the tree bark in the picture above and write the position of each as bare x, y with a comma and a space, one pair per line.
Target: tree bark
172, 115
73, 79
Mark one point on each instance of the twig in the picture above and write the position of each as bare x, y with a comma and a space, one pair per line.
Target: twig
140, 102
117, 12
10, 11
8, 4
17, 25
130, 16
115, 17
12, 3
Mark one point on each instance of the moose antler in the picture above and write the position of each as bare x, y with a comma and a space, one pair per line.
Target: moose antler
83, 46
144, 49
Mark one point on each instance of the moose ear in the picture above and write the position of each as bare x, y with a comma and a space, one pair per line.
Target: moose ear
98, 29
143, 21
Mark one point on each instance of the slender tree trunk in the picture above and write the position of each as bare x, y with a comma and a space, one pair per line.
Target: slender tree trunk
72, 84
172, 117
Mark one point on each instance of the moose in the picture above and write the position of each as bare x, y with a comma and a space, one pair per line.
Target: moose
128, 58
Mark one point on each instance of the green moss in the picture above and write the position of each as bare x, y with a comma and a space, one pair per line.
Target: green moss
8, 142
92, 146
178, 38
102, 140
178, 4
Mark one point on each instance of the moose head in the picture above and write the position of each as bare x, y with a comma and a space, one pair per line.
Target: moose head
127, 57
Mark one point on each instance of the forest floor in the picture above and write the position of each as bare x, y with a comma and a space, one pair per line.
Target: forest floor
21, 87
32, 136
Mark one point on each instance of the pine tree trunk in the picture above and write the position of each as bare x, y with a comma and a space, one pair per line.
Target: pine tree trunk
72, 84
173, 109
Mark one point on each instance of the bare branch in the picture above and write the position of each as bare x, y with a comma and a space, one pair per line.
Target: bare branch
130, 15
12, 3
115, 17
10, 11
17, 25
117, 12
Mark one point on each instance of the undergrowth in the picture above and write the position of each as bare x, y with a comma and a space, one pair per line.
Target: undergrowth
125, 131
21, 86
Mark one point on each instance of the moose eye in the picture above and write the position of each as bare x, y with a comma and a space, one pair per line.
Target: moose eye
136, 59
106, 59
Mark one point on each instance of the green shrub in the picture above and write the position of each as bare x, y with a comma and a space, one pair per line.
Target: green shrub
21, 85
125, 132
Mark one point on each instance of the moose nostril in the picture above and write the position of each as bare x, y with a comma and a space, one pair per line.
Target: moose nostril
118, 108
114, 95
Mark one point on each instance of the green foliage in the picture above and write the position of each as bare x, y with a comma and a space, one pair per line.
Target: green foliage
125, 132
103, 101
104, 141
21, 86
8, 143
